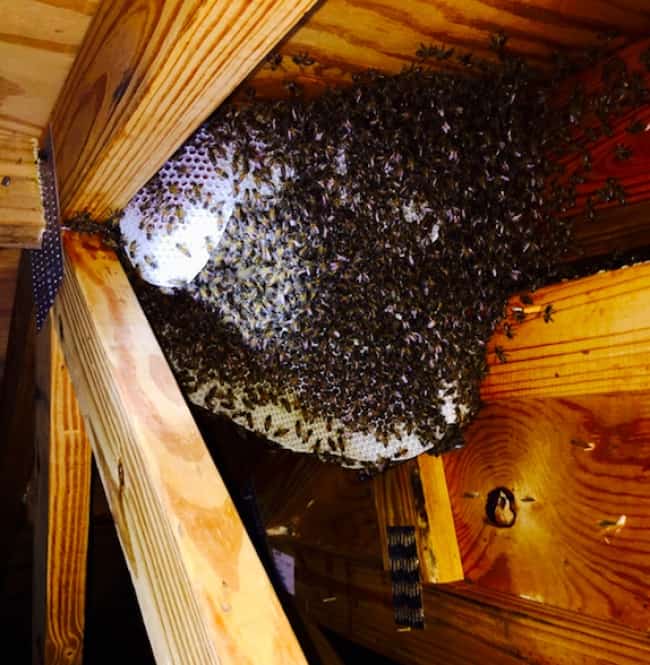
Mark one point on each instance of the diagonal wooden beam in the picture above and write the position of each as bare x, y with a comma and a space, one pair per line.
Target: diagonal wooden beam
204, 595
62, 511
147, 74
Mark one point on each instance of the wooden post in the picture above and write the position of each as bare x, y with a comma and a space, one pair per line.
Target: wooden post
62, 512
415, 494
203, 593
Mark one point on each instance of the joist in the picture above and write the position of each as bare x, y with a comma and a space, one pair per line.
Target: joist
464, 624
415, 494
61, 511
583, 336
146, 76
345, 36
203, 593
21, 211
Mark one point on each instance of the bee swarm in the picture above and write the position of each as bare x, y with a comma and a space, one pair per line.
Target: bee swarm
358, 254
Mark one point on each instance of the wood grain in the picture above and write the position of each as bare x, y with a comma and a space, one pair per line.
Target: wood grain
631, 173
616, 230
22, 219
8, 273
598, 341
62, 512
38, 43
576, 467
415, 494
345, 36
147, 75
203, 593
464, 624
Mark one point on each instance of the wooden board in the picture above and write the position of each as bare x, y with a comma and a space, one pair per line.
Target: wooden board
203, 593
598, 340
22, 219
62, 512
415, 494
147, 75
38, 43
8, 273
464, 625
345, 36
576, 467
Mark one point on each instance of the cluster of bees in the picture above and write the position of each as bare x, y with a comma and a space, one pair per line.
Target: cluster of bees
375, 235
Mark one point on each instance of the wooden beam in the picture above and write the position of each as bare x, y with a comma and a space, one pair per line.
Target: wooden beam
345, 36
204, 595
146, 76
464, 624
415, 494
62, 512
17, 413
21, 211
38, 43
597, 342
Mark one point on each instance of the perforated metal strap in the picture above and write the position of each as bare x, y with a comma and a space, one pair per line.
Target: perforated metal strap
405, 576
47, 262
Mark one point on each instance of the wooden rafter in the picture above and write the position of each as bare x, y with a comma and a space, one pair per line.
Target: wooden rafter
146, 76
203, 593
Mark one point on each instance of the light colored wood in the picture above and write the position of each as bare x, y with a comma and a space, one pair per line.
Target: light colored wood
146, 76
21, 211
415, 494
598, 341
463, 624
203, 593
8, 273
38, 43
62, 512
345, 36
578, 469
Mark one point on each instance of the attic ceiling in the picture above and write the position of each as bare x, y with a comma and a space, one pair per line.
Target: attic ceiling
38, 43
345, 36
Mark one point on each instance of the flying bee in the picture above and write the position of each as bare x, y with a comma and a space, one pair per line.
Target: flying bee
281, 431
508, 331
150, 261
548, 313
